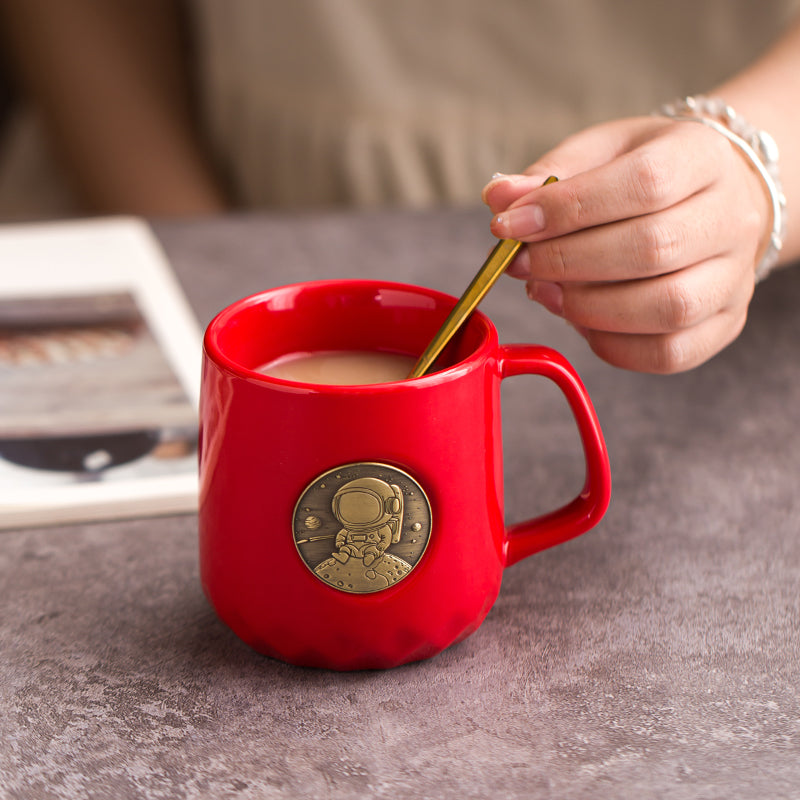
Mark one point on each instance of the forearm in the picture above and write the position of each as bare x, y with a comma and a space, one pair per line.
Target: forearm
767, 94
108, 80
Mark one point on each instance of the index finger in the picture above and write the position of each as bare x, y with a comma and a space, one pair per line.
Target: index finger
652, 177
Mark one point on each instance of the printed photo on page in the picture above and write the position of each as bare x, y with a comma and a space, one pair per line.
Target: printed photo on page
99, 372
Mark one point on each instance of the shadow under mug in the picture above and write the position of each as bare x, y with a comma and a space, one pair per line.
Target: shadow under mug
354, 527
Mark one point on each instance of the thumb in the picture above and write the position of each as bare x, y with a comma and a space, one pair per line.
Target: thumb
577, 153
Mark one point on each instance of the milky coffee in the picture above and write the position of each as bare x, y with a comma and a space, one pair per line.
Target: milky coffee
341, 367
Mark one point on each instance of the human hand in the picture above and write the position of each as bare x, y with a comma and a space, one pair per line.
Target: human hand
647, 244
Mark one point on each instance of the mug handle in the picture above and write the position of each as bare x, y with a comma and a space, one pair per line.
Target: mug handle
585, 511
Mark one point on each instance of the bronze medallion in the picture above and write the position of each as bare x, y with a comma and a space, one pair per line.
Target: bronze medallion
362, 527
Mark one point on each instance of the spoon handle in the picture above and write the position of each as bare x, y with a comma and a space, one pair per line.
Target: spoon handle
494, 266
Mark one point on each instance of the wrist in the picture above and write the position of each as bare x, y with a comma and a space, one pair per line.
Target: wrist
758, 148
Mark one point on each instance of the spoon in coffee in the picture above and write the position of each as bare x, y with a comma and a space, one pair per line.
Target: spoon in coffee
494, 266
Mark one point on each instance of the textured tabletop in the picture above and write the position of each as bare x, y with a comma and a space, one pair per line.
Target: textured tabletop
656, 656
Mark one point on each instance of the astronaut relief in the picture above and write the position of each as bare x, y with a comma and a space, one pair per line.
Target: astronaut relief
364, 517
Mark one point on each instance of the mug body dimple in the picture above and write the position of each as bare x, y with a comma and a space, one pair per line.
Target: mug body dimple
350, 527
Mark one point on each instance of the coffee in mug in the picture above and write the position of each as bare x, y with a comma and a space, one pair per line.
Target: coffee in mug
341, 367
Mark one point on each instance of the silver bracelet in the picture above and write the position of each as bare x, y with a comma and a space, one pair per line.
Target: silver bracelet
757, 146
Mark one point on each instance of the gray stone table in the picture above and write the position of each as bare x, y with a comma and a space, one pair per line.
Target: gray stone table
656, 656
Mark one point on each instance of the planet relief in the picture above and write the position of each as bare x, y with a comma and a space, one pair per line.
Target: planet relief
363, 527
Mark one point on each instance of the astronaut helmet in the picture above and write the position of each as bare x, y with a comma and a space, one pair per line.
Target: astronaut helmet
367, 504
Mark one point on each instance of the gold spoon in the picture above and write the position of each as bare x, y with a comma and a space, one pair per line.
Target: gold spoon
494, 266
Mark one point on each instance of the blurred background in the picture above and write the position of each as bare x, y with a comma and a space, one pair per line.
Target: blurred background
185, 107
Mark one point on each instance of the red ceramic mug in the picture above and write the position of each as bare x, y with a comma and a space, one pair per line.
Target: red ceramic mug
355, 527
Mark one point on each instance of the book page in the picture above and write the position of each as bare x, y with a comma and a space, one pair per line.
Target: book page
99, 375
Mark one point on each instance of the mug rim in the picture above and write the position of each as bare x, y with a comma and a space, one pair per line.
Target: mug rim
214, 352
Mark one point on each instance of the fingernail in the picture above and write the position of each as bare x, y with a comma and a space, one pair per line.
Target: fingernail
520, 267
497, 176
515, 177
519, 222
549, 294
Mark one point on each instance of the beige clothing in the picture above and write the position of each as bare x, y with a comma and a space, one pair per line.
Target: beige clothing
370, 102
418, 102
